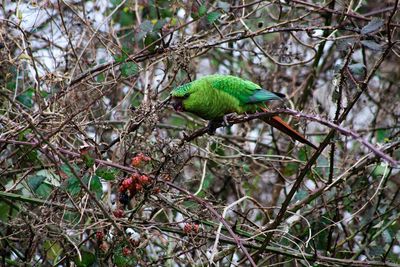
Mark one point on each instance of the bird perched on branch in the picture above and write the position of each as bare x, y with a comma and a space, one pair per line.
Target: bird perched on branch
215, 96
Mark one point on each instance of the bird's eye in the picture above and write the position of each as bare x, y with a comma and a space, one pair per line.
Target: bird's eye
186, 95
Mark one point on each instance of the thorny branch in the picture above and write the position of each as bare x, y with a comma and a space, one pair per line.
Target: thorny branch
94, 164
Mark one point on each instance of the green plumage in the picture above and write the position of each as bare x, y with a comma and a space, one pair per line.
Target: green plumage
211, 97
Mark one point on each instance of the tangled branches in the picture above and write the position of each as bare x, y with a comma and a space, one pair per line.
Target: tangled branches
98, 169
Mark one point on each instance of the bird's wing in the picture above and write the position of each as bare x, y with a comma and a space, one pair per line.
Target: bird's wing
245, 91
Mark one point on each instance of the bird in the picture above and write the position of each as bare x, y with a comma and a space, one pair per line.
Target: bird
214, 97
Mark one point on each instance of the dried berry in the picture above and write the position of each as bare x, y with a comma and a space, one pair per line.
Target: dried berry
138, 187
144, 180
126, 251
136, 161
118, 213
187, 228
99, 236
127, 183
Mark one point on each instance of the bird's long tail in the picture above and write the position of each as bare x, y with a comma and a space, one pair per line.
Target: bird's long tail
282, 126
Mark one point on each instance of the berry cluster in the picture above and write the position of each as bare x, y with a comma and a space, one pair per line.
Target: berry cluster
191, 227
132, 185
139, 159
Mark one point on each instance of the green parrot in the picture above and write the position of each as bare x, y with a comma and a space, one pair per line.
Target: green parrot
213, 97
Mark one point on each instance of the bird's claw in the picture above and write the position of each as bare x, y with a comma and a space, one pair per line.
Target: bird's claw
225, 122
226, 118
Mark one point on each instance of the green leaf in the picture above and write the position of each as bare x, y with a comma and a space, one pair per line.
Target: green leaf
26, 98
303, 154
379, 170
371, 45
42, 183
202, 10
300, 195
73, 186
44, 190
381, 135
126, 18
120, 260
376, 251
106, 173
291, 168
115, 2
120, 58
35, 181
53, 250
88, 259
212, 17
100, 78
11, 85
129, 69
246, 168
96, 186
89, 160
4, 211
374, 25
71, 217
67, 171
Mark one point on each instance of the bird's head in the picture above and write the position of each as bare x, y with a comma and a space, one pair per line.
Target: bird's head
180, 96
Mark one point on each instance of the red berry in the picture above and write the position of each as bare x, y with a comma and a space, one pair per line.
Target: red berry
121, 189
118, 213
144, 180
138, 187
136, 161
99, 236
195, 228
187, 228
135, 177
127, 183
126, 251
143, 157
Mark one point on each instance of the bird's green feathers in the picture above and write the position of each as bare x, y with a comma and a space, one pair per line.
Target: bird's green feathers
213, 96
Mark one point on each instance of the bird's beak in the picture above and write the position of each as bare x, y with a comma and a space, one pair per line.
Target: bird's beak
177, 104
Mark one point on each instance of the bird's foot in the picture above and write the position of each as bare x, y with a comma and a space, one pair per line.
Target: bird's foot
226, 118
